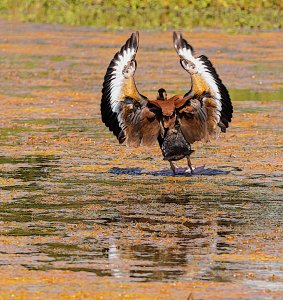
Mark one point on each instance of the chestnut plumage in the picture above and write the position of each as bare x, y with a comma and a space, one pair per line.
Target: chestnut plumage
175, 123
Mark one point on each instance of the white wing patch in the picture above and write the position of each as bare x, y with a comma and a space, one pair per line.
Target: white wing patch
202, 69
118, 78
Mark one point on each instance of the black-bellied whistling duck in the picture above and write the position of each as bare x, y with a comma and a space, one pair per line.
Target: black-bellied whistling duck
176, 122
171, 140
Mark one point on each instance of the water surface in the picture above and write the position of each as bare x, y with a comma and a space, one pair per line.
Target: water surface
78, 210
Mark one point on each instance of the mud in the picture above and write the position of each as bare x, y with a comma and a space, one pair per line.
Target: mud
85, 218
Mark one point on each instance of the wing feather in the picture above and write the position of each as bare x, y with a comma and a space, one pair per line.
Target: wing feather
197, 117
123, 108
192, 117
204, 80
119, 78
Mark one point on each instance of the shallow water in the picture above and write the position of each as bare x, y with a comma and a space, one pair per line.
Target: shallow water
73, 201
252, 95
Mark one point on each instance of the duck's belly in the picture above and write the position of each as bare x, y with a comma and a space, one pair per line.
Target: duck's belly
174, 146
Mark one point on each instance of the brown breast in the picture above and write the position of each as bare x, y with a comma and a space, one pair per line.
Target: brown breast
180, 101
167, 106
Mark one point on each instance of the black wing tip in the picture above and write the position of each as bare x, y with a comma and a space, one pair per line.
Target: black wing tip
177, 38
135, 35
180, 42
176, 35
133, 41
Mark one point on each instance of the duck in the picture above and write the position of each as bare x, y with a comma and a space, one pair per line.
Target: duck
174, 123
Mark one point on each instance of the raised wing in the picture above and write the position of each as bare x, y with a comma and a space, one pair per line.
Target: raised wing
205, 81
123, 108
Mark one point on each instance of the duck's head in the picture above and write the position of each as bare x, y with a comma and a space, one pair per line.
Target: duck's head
161, 94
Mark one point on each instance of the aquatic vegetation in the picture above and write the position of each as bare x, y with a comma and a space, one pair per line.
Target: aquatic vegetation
225, 14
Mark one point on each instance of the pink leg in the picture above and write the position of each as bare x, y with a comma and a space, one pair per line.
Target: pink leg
176, 170
190, 165
195, 170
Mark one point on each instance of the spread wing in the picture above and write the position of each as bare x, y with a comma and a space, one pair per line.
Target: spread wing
123, 108
211, 103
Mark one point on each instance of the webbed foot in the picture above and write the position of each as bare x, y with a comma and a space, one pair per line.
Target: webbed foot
196, 170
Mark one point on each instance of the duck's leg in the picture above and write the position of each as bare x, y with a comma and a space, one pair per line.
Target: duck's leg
175, 169
196, 170
172, 167
190, 165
